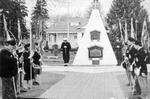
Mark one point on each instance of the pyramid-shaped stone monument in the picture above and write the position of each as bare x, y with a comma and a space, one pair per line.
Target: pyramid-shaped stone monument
95, 47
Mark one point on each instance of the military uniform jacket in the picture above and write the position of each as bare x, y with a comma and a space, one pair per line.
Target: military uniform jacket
8, 64
141, 60
36, 58
131, 52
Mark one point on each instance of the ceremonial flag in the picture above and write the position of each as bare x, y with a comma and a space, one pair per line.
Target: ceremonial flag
8, 38
145, 36
133, 34
19, 30
126, 31
120, 27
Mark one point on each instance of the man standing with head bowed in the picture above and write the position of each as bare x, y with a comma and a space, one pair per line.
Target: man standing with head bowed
66, 47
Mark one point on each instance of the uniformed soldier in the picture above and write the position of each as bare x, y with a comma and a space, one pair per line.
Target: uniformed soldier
8, 70
21, 72
66, 47
140, 70
29, 73
36, 64
130, 54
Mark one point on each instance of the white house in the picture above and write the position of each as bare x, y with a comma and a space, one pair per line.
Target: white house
60, 30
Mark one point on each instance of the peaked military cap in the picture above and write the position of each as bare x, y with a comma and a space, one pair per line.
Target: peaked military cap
131, 39
27, 45
11, 42
138, 43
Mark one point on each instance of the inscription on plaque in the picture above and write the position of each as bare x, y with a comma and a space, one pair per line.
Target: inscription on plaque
95, 52
95, 35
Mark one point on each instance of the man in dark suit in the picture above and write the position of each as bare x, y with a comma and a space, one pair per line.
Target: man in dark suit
66, 47
8, 70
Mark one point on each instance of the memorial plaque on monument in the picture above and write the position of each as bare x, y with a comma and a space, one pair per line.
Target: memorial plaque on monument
95, 35
95, 52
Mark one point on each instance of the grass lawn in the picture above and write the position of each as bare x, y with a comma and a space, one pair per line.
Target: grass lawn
47, 80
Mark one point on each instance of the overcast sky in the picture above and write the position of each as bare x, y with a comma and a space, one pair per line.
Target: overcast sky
75, 6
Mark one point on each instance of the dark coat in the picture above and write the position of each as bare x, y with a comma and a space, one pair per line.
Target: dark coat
130, 53
19, 56
141, 60
66, 47
8, 64
27, 65
36, 57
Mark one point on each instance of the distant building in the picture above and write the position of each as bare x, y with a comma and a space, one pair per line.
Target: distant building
59, 30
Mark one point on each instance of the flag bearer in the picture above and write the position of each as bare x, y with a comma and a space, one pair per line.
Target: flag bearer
140, 70
8, 70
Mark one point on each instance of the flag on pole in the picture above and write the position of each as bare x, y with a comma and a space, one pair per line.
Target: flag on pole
145, 36
126, 31
8, 38
19, 33
133, 34
19, 30
120, 27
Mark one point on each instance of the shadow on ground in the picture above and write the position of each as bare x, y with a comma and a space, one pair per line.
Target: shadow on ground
122, 78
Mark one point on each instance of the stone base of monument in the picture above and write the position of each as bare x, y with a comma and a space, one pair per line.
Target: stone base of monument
95, 61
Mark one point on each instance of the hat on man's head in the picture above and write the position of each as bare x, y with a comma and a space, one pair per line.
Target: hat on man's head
65, 39
36, 43
138, 43
131, 39
126, 43
26, 46
11, 42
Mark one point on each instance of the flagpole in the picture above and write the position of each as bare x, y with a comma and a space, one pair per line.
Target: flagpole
30, 30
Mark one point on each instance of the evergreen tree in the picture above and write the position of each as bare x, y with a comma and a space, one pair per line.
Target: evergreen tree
125, 10
39, 17
13, 10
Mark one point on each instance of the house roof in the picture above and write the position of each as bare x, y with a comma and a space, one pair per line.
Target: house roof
75, 25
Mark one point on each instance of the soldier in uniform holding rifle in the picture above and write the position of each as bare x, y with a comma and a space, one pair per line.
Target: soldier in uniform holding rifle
21, 71
140, 70
129, 59
36, 64
8, 70
27, 66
